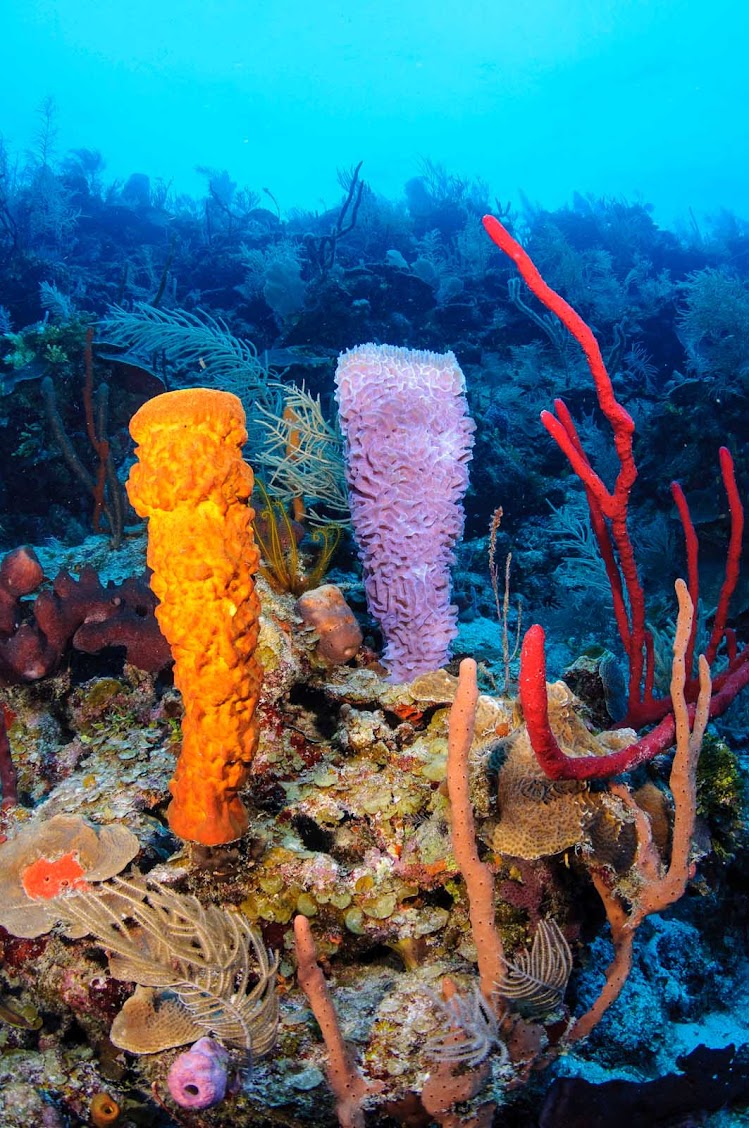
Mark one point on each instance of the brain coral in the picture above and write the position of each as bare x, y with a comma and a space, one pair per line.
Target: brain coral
539, 816
408, 441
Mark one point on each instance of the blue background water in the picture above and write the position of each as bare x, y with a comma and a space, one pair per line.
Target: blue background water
614, 97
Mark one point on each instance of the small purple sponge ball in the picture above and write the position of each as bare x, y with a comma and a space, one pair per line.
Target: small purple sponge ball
198, 1078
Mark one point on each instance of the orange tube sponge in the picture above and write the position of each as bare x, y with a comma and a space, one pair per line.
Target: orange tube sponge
191, 482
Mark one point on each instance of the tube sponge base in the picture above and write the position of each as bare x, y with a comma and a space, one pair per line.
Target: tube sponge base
191, 483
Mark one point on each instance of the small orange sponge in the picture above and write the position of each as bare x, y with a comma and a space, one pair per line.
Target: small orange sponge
191, 482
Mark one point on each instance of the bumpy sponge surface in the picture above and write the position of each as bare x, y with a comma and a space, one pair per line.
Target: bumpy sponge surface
408, 441
191, 482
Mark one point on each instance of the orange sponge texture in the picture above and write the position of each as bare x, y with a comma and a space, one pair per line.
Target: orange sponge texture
192, 484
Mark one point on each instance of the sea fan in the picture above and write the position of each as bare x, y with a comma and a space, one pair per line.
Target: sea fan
210, 959
473, 1030
200, 346
537, 980
302, 454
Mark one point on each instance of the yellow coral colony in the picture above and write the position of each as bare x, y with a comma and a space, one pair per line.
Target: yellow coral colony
191, 482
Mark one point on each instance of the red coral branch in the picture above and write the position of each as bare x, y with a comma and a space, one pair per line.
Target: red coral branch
557, 764
609, 516
733, 559
8, 773
99, 443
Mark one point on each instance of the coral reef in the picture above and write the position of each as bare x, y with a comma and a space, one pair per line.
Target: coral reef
410, 901
350, 831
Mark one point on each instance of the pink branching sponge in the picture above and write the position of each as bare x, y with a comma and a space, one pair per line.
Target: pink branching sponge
408, 441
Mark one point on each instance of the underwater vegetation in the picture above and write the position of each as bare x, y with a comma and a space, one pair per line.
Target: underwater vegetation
283, 564
270, 854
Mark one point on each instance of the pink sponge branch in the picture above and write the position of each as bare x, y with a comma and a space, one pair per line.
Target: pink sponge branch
478, 877
348, 1085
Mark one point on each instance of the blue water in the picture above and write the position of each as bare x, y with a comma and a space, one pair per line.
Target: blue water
615, 97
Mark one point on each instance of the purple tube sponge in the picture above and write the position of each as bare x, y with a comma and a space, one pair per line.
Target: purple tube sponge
408, 440
198, 1078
